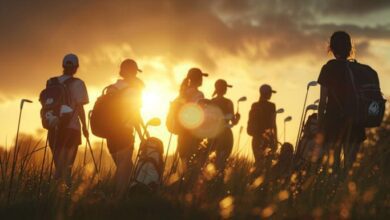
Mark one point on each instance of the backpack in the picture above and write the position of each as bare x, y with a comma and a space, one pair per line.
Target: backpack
109, 114
369, 101
172, 122
55, 100
149, 168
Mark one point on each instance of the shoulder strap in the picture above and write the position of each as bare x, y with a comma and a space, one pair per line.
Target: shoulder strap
68, 81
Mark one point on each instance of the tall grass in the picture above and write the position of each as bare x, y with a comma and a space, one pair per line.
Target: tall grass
238, 194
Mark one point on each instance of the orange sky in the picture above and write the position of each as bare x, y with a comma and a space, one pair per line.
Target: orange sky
248, 43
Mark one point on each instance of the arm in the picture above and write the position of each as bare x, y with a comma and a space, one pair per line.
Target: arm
274, 124
251, 127
81, 114
236, 117
322, 106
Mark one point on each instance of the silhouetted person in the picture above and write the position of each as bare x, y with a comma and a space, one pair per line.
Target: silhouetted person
188, 143
337, 104
284, 164
121, 144
262, 127
223, 143
65, 141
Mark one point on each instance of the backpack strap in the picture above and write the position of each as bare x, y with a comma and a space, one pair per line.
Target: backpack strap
353, 84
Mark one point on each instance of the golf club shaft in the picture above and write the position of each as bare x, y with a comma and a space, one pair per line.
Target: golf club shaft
300, 122
15, 154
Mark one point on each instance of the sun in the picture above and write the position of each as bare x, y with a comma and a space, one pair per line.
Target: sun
155, 102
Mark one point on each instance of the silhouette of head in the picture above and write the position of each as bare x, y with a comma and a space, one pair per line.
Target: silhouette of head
70, 63
221, 87
266, 91
129, 68
340, 44
195, 77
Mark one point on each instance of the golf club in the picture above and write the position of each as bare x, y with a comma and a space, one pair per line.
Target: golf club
312, 107
310, 84
287, 119
166, 156
85, 150
16, 150
280, 111
152, 122
242, 99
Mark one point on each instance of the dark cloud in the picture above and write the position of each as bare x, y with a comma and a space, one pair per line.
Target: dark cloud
356, 7
36, 34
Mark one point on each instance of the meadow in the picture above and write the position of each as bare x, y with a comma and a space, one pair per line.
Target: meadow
238, 194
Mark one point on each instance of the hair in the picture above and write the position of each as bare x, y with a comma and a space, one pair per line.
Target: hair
185, 84
340, 44
286, 152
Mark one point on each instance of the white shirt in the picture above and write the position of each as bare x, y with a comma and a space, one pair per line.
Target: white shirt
78, 95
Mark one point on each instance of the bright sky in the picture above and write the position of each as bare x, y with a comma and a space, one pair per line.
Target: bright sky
248, 43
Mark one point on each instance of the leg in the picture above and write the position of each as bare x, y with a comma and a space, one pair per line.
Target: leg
123, 161
124, 166
224, 149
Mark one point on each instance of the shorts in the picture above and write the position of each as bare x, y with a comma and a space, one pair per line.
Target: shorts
64, 138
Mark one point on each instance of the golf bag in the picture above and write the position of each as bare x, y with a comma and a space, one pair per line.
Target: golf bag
308, 149
109, 114
55, 100
172, 122
369, 101
149, 168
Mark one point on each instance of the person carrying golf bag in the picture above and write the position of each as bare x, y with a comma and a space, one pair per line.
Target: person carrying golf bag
262, 127
62, 110
351, 100
188, 143
223, 143
116, 116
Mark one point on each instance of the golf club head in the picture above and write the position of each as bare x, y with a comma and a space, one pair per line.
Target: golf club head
317, 101
242, 99
313, 107
23, 101
288, 118
27, 100
154, 122
312, 83
279, 111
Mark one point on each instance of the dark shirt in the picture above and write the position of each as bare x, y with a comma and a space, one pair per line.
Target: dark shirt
341, 101
226, 106
261, 117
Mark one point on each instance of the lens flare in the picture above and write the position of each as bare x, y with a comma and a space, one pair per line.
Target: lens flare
191, 116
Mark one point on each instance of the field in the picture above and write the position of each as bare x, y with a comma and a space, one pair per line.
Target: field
239, 194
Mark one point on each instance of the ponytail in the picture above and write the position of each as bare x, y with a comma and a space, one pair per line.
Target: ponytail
184, 86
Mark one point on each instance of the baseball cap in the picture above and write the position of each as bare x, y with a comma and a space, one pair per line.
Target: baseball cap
221, 83
130, 64
266, 89
196, 73
70, 60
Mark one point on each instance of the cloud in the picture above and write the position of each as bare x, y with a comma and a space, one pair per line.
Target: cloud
35, 35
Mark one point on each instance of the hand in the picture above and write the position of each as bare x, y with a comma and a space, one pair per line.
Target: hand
85, 132
237, 116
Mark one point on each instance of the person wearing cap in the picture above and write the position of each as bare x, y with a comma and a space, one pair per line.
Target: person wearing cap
262, 127
188, 143
223, 143
121, 145
65, 141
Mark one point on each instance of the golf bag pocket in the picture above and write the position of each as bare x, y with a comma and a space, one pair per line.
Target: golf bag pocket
149, 169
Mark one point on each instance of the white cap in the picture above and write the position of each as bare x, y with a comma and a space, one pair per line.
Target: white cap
70, 60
